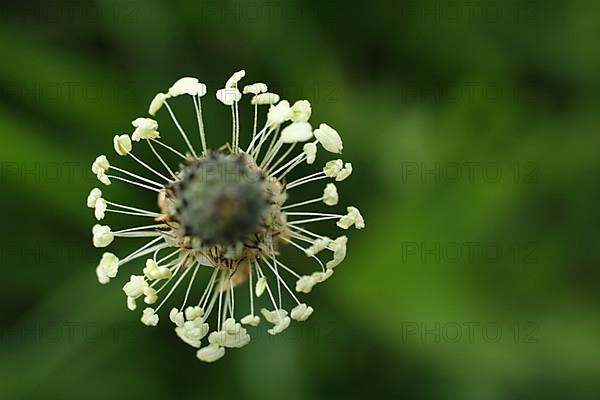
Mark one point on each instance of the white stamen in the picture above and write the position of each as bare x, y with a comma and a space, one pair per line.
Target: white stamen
169, 148
306, 221
280, 279
310, 178
151, 213
187, 292
148, 167
287, 164
198, 107
282, 158
302, 203
174, 287
141, 227
150, 181
187, 141
134, 183
161, 159
136, 214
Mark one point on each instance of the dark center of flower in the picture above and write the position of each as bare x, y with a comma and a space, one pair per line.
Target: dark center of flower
220, 198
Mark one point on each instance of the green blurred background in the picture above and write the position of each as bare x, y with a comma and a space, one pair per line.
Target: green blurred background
473, 131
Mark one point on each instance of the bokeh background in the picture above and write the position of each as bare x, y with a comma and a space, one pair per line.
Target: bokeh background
473, 131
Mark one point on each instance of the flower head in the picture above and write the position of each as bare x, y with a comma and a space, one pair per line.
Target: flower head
344, 172
301, 312
296, 132
352, 218
191, 329
301, 111
145, 128
255, 88
102, 235
227, 212
210, 353
100, 208
93, 197
310, 152
229, 96
157, 103
108, 268
189, 86
136, 286
330, 195
235, 78
280, 113
338, 246
329, 138
265, 98
333, 168
100, 168
122, 144
306, 283
149, 317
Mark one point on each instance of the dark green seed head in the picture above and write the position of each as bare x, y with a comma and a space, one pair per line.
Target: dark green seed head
220, 198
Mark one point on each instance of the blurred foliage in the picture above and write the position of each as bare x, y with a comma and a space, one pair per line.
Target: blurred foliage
408, 85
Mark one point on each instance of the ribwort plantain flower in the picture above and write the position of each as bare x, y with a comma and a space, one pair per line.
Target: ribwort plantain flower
226, 210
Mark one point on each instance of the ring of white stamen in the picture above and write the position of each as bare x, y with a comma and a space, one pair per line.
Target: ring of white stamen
174, 258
